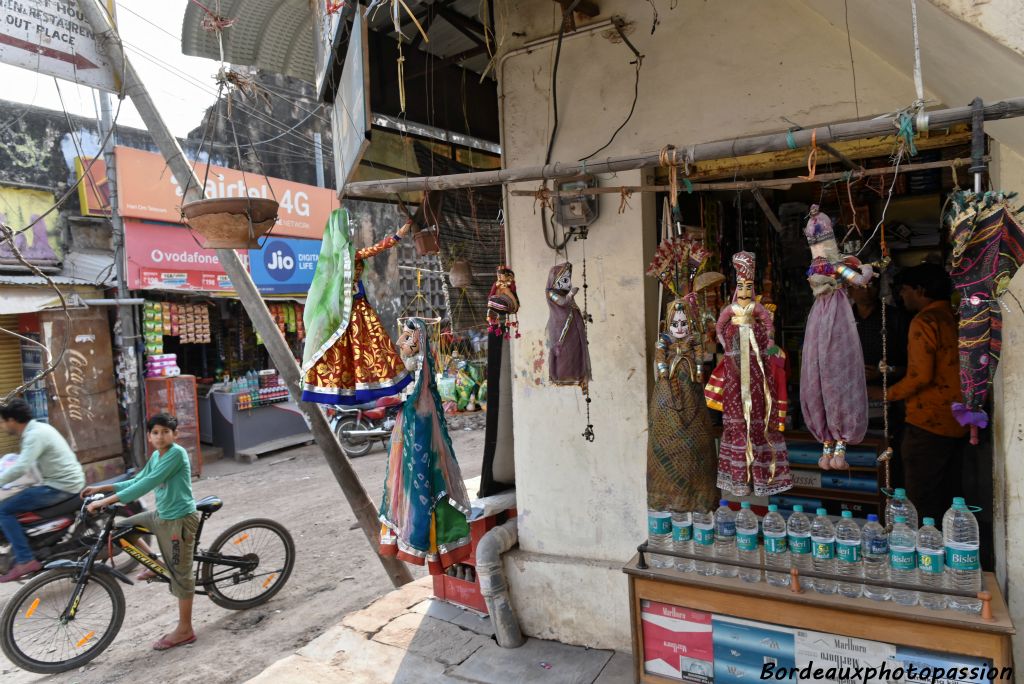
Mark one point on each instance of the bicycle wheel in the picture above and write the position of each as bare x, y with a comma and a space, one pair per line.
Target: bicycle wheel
269, 553
35, 638
353, 448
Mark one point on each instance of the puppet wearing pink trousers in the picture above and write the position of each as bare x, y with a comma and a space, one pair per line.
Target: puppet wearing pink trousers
833, 390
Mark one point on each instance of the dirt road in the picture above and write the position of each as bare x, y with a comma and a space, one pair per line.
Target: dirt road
335, 572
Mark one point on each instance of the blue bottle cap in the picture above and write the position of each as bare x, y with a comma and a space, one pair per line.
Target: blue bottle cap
929, 521
901, 519
798, 509
745, 504
821, 511
773, 508
847, 514
899, 493
872, 517
958, 502
723, 502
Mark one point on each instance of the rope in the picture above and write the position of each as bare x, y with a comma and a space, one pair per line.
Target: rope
918, 78
542, 195
812, 158
906, 131
667, 158
790, 140
624, 195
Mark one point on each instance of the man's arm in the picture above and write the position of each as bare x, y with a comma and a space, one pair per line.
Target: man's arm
31, 448
920, 361
146, 482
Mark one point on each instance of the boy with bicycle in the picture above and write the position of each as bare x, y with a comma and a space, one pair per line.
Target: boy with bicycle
174, 522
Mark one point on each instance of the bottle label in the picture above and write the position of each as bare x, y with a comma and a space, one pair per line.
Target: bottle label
800, 544
960, 556
848, 552
705, 536
682, 533
725, 528
902, 558
824, 548
746, 542
877, 546
659, 524
931, 562
775, 544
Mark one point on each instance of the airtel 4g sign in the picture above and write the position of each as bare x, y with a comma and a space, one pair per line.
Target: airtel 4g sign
284, 265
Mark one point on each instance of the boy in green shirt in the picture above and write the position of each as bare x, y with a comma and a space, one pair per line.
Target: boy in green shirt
174, 522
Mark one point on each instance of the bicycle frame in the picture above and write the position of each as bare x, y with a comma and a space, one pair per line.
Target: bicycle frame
109, 536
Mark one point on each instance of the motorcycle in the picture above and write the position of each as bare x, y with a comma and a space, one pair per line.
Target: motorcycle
54, 532
359, 427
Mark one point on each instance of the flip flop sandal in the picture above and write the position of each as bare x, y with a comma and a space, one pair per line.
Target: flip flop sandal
165, 645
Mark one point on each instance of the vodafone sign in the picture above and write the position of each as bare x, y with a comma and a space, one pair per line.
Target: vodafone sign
161, 256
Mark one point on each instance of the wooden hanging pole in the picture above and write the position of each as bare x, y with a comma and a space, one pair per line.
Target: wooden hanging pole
724, 149
767, 183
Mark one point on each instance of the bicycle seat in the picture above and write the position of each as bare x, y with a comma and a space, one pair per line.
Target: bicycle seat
68, 505
208, 505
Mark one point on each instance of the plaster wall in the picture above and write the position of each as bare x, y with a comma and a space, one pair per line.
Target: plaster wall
1007, 169
711, 71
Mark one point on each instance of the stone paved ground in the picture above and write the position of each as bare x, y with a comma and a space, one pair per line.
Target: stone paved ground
407, 637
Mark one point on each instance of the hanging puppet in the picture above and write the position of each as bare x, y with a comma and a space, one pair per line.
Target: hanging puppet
749, 388
569, 361
988, 248
349, 357
424, 505
680, 442
503, 305
833, 389
502, 322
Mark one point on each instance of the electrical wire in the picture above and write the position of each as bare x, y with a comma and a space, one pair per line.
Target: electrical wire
639, 62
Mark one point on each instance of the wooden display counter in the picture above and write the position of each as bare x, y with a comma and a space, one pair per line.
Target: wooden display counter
688, 627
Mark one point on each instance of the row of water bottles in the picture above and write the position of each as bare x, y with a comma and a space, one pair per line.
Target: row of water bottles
925, 557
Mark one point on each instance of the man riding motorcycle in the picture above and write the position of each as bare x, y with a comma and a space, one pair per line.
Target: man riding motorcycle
61, 474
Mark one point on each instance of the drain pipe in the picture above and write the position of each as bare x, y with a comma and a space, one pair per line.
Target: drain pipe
493, 584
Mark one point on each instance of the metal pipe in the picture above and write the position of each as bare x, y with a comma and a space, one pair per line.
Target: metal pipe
494, 587
115, 302
736, 147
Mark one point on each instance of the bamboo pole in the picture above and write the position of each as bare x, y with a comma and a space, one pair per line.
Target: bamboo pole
767, 183
736, 147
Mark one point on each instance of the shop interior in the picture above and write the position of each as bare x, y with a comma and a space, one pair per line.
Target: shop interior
910, 205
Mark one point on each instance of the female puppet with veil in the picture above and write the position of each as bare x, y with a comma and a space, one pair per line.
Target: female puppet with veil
424, 506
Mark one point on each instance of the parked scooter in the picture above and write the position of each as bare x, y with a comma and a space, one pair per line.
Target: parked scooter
53, 533
359, 427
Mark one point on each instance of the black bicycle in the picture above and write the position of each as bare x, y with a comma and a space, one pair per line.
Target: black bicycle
68, 615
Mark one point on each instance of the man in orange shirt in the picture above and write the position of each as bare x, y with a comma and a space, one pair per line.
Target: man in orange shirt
933, 441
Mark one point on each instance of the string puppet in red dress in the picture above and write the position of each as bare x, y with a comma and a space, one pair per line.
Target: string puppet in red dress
833, 390
749, 386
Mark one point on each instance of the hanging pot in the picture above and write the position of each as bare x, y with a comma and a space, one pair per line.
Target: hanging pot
425, 224
230, 222
461, 274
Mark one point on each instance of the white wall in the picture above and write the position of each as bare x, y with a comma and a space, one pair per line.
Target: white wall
1007, 169
711, 71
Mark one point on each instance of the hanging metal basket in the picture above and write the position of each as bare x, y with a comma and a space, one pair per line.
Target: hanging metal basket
230, 222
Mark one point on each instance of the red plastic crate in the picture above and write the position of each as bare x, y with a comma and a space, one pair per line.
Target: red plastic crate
462, 592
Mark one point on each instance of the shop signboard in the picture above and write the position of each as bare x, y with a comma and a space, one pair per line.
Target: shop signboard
162, 256
53, 37
284, 265
147, 190
21, 208
686, 645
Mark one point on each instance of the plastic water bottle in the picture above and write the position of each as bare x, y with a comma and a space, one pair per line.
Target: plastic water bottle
903, 560
725, 539
682, 539
900, 505
746, 542
963, 567
776, 550
659, 537
848, 555
874, 549
931, 564
703, 541
823, 551
798, 529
